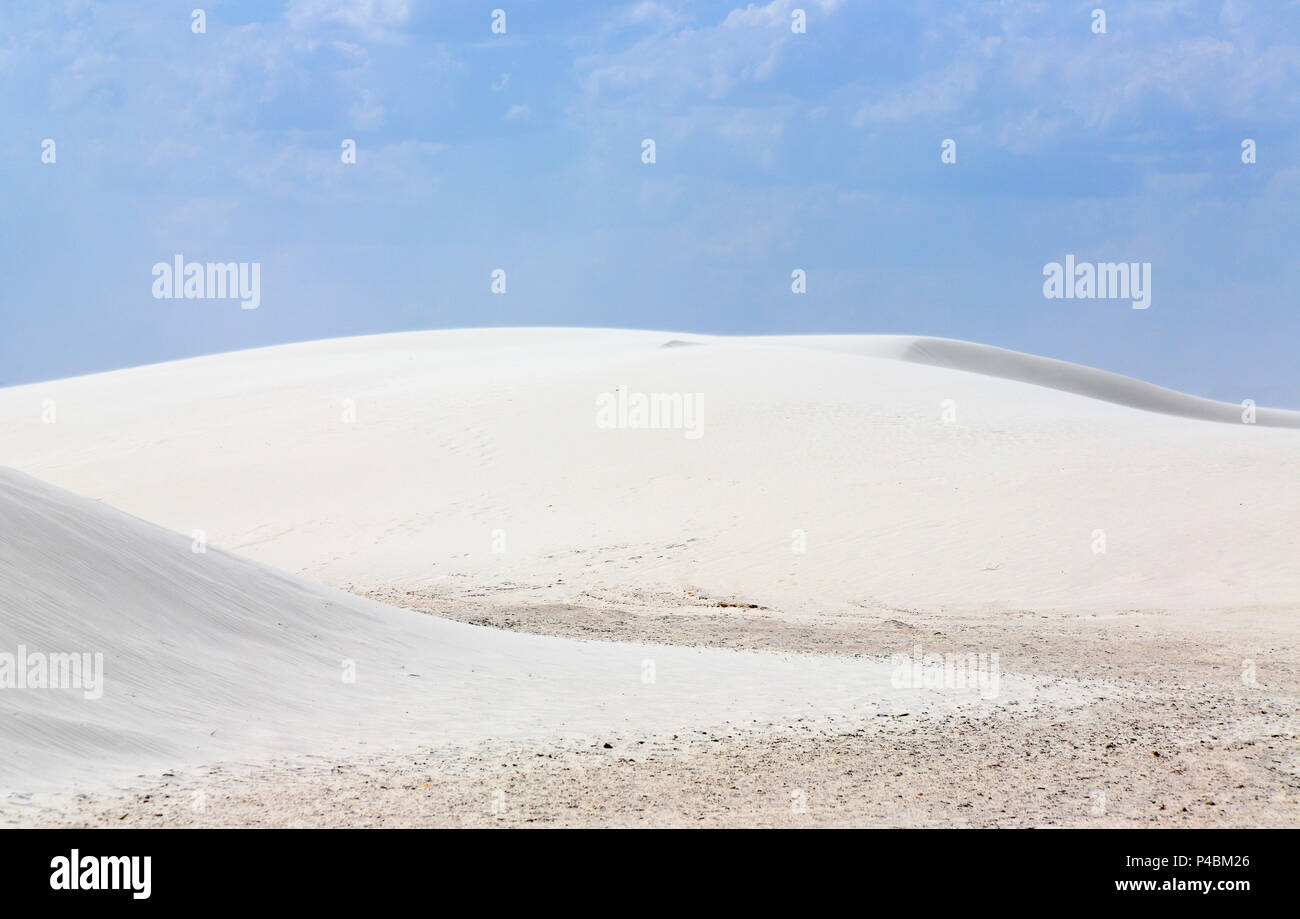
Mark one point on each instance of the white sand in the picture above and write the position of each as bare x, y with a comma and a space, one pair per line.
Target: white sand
458, 435
209, 657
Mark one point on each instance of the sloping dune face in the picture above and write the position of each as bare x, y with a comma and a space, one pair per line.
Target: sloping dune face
1087, 381
802, 474
1044, 371
139, 653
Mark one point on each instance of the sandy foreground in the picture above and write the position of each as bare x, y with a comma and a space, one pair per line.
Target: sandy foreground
1184, 743
551, 622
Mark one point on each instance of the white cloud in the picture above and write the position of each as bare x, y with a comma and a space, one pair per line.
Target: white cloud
397, 171
1027, 79
375, 19
939, 93
646, 13
366, 114
745, 46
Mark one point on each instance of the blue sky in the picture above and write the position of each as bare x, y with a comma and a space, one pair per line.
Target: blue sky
775, 151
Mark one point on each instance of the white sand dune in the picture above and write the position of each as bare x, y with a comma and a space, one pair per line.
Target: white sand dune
209, 657
466, 441
1045, 371
856, 476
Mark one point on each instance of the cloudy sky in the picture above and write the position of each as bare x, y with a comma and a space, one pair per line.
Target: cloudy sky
774, 151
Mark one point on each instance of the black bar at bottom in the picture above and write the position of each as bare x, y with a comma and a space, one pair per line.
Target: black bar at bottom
601, 870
